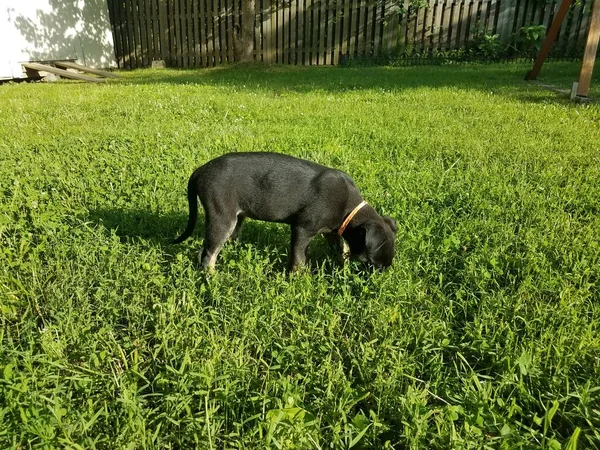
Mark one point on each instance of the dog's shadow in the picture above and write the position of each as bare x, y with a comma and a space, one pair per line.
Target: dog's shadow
269, 240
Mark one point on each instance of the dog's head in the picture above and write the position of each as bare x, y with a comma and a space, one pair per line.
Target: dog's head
374, 242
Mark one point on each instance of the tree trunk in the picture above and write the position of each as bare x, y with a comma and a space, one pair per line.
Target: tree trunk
243, 45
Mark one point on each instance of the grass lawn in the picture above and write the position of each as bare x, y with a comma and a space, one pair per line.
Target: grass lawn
485, 333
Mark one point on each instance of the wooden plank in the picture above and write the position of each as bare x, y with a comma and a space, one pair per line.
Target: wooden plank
573, 31
203, 33
164, 30
292, 25
223, 31
72, 65
436, 42
258, 29
63, 73
188, 33
267, 46
377, 22
216, 31
178, 33
591, 50
337, 31
285, 31
432, 30
484, 15
131, 63
368, 35
314, 31
141, 17
328, 28
197, 61
425, 15
420, 29
462, 31
360, 28
353, 22
300, 24
172, 48
585, 19
113, 10
279, 34
321, 49
345, 28
228, 8
155, 30
210, 35
454, 31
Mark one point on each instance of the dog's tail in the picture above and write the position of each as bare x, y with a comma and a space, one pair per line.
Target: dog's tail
192, 196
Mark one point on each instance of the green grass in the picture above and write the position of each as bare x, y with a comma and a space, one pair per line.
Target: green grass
485, 333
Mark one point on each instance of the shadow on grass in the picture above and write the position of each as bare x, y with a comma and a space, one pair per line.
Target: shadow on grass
267, 239
280, 80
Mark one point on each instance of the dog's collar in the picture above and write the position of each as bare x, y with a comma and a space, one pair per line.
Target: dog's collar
349, 218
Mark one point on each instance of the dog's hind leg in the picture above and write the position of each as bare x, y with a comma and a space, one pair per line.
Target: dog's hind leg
217, 233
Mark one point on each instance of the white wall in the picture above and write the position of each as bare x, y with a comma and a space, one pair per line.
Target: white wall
36, 30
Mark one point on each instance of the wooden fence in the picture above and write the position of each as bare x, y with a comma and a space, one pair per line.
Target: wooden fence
194, 33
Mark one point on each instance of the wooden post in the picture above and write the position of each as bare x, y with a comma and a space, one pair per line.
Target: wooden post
547, 45
589, 57
244, 35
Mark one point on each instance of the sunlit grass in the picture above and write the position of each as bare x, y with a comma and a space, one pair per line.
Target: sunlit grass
485, 332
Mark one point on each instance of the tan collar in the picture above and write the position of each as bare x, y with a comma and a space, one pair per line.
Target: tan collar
349, 218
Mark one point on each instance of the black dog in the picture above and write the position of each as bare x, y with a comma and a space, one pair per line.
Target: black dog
278, 188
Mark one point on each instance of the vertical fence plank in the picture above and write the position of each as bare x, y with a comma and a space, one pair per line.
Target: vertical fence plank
196, 20
345, 29
369, 10
420, 29
452, 30
189, 47
179, 27
113, 11
463, 31
322, 43
293, 48
133, 51
392, 24
155, 30
582, 36
164, 30
274, 29
376, 28
217, 31
329, 27
353, 19
267, 31
143, 21
308, 32
285, 29
300, 35
203, 33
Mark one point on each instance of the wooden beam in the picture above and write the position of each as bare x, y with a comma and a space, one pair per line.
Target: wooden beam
547, 45
61, 72
591, 48
81, 68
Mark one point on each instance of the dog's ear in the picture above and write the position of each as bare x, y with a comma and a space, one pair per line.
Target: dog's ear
391, 222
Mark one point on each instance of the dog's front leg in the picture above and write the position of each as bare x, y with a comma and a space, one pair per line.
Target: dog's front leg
340, 244
300, 240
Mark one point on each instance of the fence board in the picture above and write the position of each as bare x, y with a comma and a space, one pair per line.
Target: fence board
188, 33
